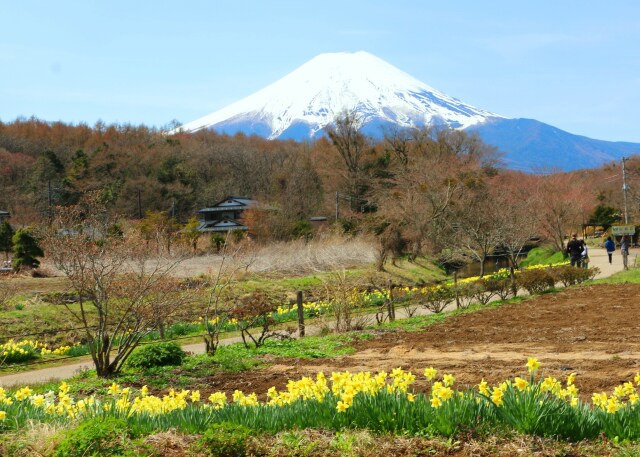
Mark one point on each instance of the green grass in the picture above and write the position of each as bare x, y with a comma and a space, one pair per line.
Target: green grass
631, 276
422, 270
543, 255
308, 348
231, 358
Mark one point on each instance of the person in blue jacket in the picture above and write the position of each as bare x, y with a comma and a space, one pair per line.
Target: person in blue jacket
610, 246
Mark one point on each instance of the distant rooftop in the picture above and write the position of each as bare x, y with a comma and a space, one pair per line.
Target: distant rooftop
230, 202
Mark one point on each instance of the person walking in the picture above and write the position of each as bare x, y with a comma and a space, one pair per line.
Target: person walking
610, 246
625, 242
574, 249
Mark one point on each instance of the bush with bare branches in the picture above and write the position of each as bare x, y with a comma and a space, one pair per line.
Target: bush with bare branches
342, 292
436, 298
122, 280
254, 316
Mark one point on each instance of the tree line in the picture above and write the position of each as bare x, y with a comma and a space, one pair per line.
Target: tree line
430, 189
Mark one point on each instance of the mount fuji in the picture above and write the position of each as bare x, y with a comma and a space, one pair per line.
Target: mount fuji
301, 104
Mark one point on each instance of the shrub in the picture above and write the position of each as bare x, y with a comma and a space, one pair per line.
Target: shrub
498, 286
436, 298
100, 436
568, 275
217, 241
469, 292
535, 281
484, 291
156, 355
226, 439
26, 249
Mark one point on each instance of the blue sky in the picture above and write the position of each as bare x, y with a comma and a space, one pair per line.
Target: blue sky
571, 64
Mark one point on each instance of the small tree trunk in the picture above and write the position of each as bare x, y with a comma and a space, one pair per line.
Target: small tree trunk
301, 328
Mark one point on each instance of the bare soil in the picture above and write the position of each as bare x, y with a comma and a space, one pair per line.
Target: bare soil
590, 330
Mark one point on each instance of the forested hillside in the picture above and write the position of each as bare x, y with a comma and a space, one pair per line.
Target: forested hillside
417, 190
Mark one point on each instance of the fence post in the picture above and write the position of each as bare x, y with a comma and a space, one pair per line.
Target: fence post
514, 288
391, 309
455, 288
300, 313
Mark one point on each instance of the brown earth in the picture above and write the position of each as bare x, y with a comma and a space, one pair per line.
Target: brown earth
590, 330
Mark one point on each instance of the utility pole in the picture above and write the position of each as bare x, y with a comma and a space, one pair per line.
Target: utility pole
624, 189
337, 206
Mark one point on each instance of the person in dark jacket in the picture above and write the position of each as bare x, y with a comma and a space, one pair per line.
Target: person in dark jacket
574, 249
625, 242
610, 246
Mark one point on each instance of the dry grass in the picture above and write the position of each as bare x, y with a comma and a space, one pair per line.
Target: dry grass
326, 253
314, 443
37, 439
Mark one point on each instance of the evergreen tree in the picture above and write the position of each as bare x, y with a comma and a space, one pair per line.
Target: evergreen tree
605, 216
26, 250
6, 235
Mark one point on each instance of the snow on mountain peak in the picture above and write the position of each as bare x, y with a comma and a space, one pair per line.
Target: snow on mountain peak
332, 83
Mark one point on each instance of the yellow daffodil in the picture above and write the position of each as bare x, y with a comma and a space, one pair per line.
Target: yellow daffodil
496, 396
521, 384
483, 388
532, 364
342, 406
23, 393
38, 400
430, 373
448, 380
114, 389
613, 405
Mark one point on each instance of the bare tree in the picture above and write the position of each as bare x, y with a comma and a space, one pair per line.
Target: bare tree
515, 212
352, 146
123, 284
428, 183
232, 260
475, 228
561, 206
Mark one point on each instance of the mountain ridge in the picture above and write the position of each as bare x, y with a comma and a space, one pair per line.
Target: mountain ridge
302, 103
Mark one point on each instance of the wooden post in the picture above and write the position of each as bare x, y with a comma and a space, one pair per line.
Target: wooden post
391, 309
455, 288
300, 313
514, 288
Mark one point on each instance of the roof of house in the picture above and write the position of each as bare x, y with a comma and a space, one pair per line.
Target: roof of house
229, 203
221, 226
4, 213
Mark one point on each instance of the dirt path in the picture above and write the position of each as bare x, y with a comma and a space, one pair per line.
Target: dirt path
477, 345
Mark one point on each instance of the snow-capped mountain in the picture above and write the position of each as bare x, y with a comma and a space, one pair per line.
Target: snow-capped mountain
301, 104
310, 97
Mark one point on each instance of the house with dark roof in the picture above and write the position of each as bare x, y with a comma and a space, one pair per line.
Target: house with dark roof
4, 215
224, 216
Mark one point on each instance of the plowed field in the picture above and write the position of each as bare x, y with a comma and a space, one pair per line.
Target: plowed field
590, 330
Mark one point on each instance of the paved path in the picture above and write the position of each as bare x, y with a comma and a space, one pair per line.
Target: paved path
598, 257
